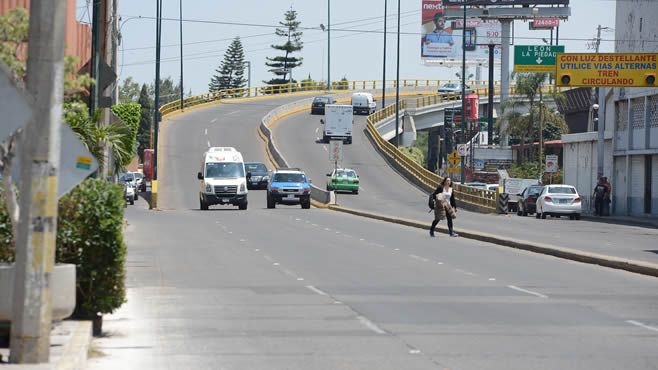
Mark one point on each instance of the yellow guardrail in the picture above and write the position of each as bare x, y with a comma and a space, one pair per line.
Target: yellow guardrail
484, 199
303, 87
435, 99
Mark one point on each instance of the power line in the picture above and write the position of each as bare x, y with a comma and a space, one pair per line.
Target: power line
367, 31
409, 13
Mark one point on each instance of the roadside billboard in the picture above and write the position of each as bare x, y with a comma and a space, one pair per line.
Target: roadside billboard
442, 38
507, 2
606, 69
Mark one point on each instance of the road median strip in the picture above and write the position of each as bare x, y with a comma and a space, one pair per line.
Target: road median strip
639, 267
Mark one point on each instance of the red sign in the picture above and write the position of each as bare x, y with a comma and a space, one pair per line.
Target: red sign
148, 164
546, 22
472, 107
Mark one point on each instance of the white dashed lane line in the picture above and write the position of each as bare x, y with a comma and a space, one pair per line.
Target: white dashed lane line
370, 325
419, 258
315, 290
205, 132
641, 325
213, 120
527, 291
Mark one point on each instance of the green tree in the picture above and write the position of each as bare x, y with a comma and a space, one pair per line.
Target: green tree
13, 40
96, 137
144, 131
169, 91
128, 91
230, 74
282, 66
130, 114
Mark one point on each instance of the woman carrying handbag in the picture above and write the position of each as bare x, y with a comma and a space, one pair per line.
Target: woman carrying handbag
445, 206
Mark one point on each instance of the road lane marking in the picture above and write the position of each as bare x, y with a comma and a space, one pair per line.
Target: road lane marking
314, 225
370, 325
256, 250
396, 249
418, 258
213, 120
325, 148
300, 279
276, 264
439, 263
492, 279
232, 113
316, 130
414, 351
527, 291
465, 272
327, 229
361, 239
315, 290
641, 325
205, 131
208, 143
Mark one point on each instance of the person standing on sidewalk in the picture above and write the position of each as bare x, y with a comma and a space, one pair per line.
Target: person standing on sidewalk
608, 194
599, 195
445, 206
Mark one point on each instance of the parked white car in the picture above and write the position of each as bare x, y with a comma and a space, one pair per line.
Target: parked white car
559, 200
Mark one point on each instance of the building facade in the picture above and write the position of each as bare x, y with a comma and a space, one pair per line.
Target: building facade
630, 120
78, 35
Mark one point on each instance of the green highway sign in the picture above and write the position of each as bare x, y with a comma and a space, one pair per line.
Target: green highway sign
536, 58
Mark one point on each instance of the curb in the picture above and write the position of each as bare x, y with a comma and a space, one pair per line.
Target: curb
638, 267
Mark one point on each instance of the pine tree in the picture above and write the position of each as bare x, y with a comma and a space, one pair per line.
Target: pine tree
144, 130
230, 74
282, 66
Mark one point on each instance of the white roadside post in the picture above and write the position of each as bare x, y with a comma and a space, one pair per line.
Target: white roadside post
40, 151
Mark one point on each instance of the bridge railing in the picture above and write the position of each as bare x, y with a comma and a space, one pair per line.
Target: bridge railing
430, 100
478, 199
301, 88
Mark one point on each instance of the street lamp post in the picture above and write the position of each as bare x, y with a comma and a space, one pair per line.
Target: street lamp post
397, 88
384, 62
328, 44
180, 4
463, 172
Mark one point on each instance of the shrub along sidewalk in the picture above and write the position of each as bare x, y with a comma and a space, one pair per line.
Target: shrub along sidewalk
89, 235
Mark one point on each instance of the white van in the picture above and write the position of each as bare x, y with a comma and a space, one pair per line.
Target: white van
363, 103
338, 123
223, 178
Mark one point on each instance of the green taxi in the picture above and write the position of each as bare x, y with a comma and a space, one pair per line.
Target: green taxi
343, 179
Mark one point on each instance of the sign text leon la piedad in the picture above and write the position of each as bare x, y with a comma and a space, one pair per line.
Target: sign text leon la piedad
536, 58
606, 69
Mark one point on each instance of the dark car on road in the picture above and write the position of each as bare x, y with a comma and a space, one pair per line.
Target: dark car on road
257, 175
528, 200
317, 107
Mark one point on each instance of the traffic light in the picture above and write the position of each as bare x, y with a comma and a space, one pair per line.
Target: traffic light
650, 79
565, 80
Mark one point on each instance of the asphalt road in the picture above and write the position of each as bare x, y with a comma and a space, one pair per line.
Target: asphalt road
385, 191
315, 289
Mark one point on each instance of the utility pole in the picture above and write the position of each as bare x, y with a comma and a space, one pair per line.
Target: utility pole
156, 112
95, 62
464, 90
37, 227
490, 120
180, 22
328, 44
384, 62
397, 88
595, 115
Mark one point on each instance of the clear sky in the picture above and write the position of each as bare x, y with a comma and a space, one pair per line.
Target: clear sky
354, 55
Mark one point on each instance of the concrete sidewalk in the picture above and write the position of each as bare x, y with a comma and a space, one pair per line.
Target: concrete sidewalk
69, 348
625, 220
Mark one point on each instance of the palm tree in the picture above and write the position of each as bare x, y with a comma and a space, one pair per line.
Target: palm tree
116, 137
